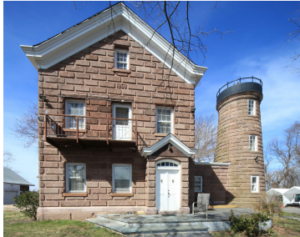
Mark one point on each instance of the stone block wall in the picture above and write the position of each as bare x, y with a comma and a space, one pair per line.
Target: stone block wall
234, 128
215, 182
90, 76
98, 178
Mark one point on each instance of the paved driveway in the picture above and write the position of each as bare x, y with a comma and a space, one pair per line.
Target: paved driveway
294, 210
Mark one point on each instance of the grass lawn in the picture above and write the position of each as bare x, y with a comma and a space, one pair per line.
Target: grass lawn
16, 224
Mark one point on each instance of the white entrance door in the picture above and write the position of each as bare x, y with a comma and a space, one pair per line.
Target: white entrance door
122, 128
167, 187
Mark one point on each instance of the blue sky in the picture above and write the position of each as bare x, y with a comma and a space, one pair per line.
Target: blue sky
257, 48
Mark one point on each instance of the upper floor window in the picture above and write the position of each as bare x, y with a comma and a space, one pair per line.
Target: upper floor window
198, 184
121, 59
253, 142
76, 108
251, 107
121, 177
75, 177
164, 120
254, 184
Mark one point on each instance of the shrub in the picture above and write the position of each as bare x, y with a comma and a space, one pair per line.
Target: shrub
268, 204
28, 202
248, 224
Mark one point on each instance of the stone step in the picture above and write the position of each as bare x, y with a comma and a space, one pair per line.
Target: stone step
127, 230
152, 223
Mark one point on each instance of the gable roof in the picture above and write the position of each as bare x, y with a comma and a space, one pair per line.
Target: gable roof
13, 178
100, 26
170, 138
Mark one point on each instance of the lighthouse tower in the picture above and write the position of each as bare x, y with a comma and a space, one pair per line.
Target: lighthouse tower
240, 139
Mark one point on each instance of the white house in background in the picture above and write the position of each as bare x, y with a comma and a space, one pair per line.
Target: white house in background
289, 196
293, 196
14, 184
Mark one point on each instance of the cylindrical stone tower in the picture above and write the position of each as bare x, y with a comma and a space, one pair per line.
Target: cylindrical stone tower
240, 140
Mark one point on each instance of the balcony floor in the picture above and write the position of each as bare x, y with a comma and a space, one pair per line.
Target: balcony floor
85, 142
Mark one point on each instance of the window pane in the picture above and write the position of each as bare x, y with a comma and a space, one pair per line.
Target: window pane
251, 107
122, 113
252, 143
75, 108
122, 178
122, 65
76, 176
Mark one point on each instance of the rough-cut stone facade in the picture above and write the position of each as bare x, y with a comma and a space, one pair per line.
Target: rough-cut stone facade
234, 128
215, 182
90, 75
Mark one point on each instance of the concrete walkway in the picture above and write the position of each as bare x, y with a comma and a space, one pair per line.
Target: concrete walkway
173, 235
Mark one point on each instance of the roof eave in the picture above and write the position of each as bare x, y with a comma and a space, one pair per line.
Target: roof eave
170, 138
75, 39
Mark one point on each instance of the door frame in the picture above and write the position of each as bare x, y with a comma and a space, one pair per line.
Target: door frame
168, 168
114, 105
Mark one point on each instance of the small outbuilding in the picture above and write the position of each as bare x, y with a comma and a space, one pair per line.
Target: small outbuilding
293, 196
279, 192
14, 184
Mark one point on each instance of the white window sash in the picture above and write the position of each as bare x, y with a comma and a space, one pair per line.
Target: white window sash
197, 189
251, 107
253, 142
71, 121
68, 177
255, 185
121, 62
164, 121
114, 178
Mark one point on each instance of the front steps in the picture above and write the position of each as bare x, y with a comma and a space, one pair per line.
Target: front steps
129, 224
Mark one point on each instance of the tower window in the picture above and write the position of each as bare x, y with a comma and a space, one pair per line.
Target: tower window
254, 184
121, 59
251, 107
253, 142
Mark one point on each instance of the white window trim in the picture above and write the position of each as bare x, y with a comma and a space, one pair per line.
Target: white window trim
114, 105
66, 103
257, 183
254, 108
113, 177
127, 57
201, 190
67, 178
255, 142
156, 119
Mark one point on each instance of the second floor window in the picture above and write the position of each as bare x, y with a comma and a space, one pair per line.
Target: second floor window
251, 107
253, 142
164, 120
121, 59
76, 108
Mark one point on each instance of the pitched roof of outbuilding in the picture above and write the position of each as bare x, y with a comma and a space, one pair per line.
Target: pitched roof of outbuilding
12, 177
99, 26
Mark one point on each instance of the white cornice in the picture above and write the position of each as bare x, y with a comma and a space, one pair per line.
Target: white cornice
96, 28
212, 163
170, 138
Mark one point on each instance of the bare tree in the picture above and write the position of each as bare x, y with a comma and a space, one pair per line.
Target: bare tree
205, 137
295, 35
27, 126
8, 159
286, 154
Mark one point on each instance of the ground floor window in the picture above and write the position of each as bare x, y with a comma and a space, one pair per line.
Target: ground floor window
198, 184
121, 175
75, 177
254, 184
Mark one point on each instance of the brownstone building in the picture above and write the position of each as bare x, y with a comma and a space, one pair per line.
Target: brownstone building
116, 122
